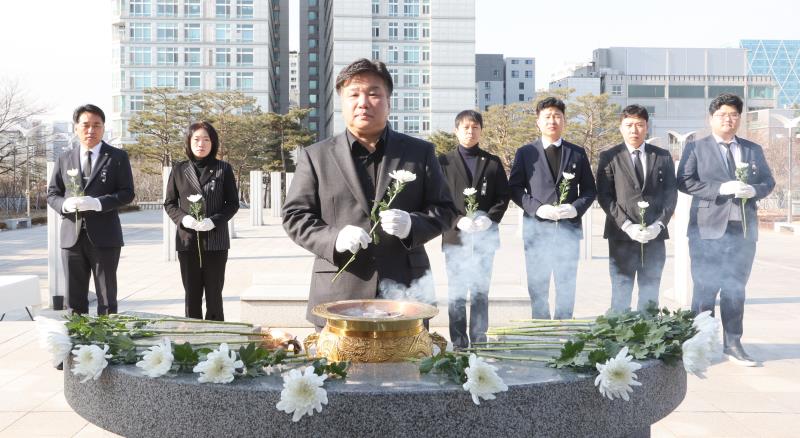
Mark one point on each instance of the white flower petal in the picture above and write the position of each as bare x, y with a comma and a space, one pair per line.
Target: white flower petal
469, 191
53, 338
643, 204
482, 380
617, 376
403, 176
89, 361
194, 198
302, 393
219, 367
568, 176
157, 360
72, 172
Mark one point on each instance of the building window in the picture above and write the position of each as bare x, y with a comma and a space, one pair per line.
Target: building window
140, 80
312, 57
426, 30
312, 98
136, 103
394, 54
616, 90
167, 56
426, 100
426, 77
244, 80
394, 8
168, 79
411, 8
244, 33
312, 126
395, 77
761, 92
651, 110
191, 56
244, 8
411, 124
244, 57
191, 32
167, 8
140, 31
312, 85
312, 71
486, 85
486, 96
312, 15
223, 80
167, 32
426, 54
411, 55
223, 9
687, 91
645, 91
410, 31
393, 30
426, 125
140, 55
514, 73
192, 8
394, 102
139, 8
529, 61
393, 122
411, 78
223, 33
312, 29
411, 102
376, 7
376, 31
515, 61
191, 80
522, 98
223, 57
426, 7
528, 74
716, 90
376, 53
522, 85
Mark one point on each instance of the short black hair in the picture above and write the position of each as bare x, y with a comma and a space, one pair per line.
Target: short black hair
635, 111
469, 115
551, 102
364, 66
726, 99
212, 133
88, 108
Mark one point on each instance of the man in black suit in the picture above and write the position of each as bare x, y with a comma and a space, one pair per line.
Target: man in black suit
552, 225
337, 182
89, 184
723, 219
469, 246
628, 174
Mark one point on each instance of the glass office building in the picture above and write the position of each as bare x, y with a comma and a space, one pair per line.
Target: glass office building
779, 59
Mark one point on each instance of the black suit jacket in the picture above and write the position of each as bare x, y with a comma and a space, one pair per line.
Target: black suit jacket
220, 201
326, 195
618, 190
493, 193
532, 184
111, 182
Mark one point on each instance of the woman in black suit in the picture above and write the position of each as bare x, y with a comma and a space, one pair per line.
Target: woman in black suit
213, 179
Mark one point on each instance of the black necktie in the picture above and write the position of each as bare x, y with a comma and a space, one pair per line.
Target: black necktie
731, 163
553, 154
637, 166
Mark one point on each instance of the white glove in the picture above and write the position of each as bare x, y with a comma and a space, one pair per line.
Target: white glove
396, 222
205, 225
351, 238
466, 225
189, 222
745, 191
651, 232
87, 203
482, 223
730, 187
567, 211
547, 211
634, 232
70, 204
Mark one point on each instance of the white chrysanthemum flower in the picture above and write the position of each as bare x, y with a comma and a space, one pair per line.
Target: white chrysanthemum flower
708, 329
90, 361
697, 354
482, 380
194, 198
403, 176
54, 338
72, 173
219, 366
302, 393
617, 376
568, 176
643, 204
269, 369
469, 191
157, 360
740, 165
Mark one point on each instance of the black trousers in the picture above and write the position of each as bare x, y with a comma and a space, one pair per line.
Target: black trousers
626, 264
722, 266
209, 279
554, 252
469, 274
84, 259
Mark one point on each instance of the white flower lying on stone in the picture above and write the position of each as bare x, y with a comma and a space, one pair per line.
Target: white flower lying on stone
643, 204
469, 191
403, 176
219, 366
482, 380
90, 361
703, 347
72, 173
568, 176
302, 393
157, 360
617, 376
54, 338
194, 198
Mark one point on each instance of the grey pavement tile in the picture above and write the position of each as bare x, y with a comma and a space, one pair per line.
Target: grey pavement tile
772, 425
41, 424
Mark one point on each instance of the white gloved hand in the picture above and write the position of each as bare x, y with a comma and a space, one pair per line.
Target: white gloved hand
87, 203
189, 222
547, 211
466, 225
205, 225
745, 191
651, 232
635, 232
482, 223
70, 204
730, 187
352, 238
396, 222
567, 211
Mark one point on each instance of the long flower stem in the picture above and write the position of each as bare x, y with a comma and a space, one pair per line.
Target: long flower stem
520, 358
199, 250
542, 347
744, 219
184, 320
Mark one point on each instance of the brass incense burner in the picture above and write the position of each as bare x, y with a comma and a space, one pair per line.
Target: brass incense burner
373, 331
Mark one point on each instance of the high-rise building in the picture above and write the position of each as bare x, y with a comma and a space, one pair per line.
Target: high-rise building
428, 46
779, 59
520, 80
490, 80
197, 45
294, 90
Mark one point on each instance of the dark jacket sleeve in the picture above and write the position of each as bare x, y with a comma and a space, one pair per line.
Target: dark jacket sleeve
56, 190
230, 196
502, 193
606, 189
172, 198
124, 193
669, 190
688, 178
518, 184
587, 188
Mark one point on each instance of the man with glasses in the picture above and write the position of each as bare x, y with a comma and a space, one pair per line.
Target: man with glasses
725, 175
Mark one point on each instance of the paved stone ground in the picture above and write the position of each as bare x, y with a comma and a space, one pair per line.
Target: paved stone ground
731, 401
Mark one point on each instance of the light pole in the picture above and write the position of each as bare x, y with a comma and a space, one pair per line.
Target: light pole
789, 124
681, 138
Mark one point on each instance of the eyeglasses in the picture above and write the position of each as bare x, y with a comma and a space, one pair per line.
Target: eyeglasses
732, 116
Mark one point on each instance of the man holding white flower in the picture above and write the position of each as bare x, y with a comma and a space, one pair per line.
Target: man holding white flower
637, 189
479, 186
339, 181
552, 181
91, 234
723, 220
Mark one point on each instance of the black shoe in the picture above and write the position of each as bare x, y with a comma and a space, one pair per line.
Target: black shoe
737, 355
60, 366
